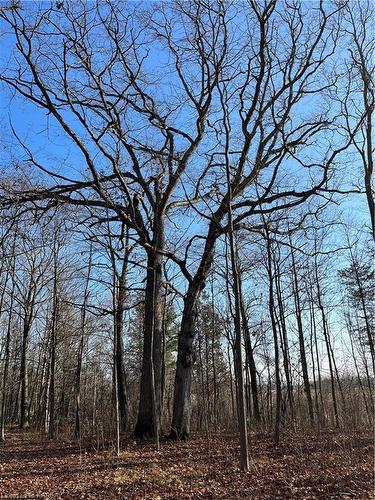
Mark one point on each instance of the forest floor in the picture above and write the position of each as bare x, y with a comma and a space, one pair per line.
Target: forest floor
325, 466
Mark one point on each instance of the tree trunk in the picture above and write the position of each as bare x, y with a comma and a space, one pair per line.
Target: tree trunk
359, 378
281, 323
251, 362
301, 341
24, 402
77, 427
119, 325
369, 331
241, 406
152, 341
52, 416
328, 348
202, 402
184, 368
6, 367
180, 428
271, 306
53, 344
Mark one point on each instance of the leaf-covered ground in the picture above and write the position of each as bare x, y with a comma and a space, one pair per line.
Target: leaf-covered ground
327, 466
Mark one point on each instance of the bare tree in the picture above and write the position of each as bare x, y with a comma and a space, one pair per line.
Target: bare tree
116, 89
267, 139
231, 118
359, 101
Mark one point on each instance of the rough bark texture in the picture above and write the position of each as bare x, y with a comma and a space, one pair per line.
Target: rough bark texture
185, 360
180, 428
153, 333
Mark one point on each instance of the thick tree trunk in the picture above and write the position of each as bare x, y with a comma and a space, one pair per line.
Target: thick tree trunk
152, 341
180, 428
184, 369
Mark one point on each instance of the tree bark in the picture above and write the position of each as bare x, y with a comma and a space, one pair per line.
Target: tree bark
153, 338
52, 413
6, 366
328, 348
241, 405
301, 341
271, 306
24, 402
77, 427
281, 323
185, 359
251, 362
119, 356
180, 428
